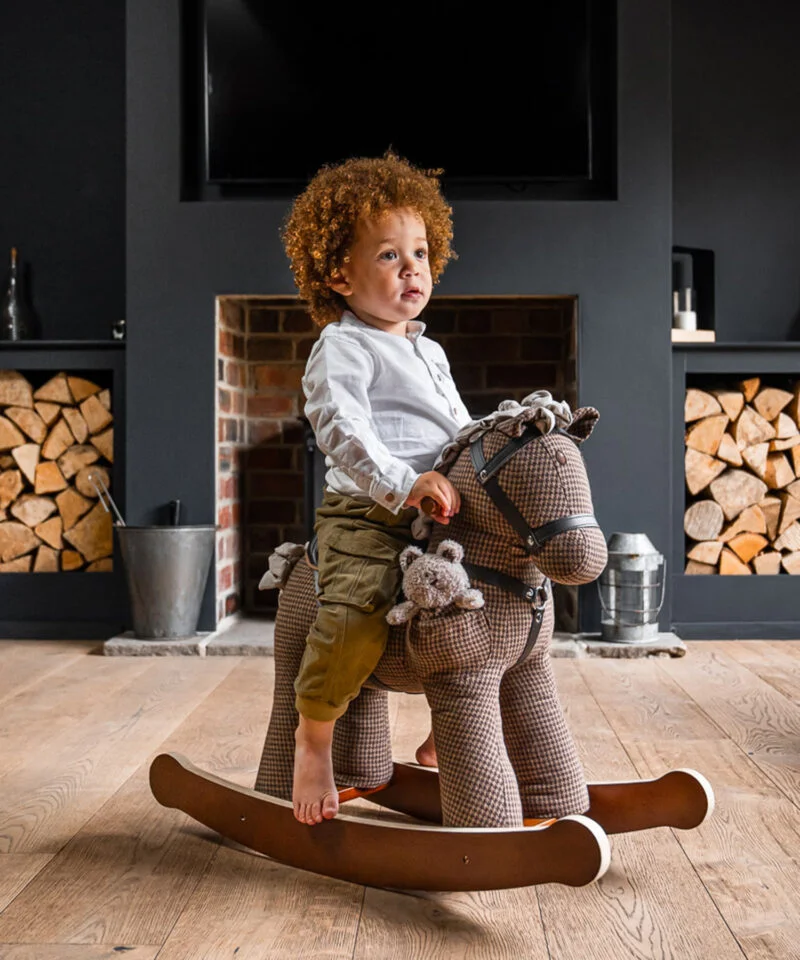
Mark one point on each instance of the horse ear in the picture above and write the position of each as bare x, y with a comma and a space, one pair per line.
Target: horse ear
408, 556
450, 550
584, 421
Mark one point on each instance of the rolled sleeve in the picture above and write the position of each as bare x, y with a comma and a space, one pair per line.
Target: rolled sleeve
335, 384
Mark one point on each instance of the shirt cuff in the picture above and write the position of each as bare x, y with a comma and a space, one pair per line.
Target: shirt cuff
391, 492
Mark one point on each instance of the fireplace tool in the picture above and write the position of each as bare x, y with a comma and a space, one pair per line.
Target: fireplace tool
105, 495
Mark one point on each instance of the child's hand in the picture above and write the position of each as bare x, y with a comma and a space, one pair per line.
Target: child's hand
438, 488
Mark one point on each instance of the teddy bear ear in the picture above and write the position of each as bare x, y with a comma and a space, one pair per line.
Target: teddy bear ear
450, 550
408, 556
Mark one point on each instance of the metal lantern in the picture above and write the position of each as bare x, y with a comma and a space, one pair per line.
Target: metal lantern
631, 589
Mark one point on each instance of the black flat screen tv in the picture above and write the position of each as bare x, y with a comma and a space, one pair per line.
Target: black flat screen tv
522, 94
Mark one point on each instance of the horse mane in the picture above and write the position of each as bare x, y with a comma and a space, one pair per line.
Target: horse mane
510, 418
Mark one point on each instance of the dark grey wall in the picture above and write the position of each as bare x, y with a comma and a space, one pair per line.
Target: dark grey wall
736, 154
62, 160
614, 255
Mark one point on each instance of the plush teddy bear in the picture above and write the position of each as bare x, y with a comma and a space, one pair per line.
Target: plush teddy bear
433, 581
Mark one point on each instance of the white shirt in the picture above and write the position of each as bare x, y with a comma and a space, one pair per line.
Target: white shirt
382, 407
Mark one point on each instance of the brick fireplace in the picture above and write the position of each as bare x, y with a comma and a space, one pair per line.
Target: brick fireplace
499, 348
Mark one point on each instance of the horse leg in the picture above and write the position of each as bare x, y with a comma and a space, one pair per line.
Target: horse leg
362, 751
362, 748
540, 745
477, 781
296, 611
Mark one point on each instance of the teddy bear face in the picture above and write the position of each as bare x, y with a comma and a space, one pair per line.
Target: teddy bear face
433, 583
434, 580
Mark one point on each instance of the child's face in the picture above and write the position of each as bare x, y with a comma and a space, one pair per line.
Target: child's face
386, 279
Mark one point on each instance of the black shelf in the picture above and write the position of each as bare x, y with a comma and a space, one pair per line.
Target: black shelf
724, 607
75, 604
62, 344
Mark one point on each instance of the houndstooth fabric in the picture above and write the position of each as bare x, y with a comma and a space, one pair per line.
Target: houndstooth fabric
576, 556
297, 608
362, 754
362, 744
394, 671
461, 666
503, 745
510, 419
540, 746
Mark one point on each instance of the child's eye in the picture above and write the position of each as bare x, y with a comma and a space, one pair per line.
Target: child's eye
388, 255
421, 253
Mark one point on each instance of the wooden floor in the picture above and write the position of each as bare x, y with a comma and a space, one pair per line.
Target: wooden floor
92, 867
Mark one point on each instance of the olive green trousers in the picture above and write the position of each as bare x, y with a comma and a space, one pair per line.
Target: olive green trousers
359, 580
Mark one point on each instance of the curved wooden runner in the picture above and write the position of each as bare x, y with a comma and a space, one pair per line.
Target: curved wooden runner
680, 798
573, 851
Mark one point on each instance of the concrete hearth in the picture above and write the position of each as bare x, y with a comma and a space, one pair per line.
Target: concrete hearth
250, 637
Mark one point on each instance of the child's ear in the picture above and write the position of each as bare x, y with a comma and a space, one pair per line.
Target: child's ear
339, 284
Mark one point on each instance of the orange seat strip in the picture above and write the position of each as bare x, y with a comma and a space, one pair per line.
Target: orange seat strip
533, 822
353, 793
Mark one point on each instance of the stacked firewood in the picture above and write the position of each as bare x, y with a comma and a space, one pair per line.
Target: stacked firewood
54, 441
742, 467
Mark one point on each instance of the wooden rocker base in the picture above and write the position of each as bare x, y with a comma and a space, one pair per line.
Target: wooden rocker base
681, 798
573, 850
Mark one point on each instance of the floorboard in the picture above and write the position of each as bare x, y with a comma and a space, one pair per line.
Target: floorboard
763, 722
91, 867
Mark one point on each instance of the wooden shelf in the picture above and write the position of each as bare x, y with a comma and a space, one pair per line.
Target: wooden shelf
740, 346
693, 336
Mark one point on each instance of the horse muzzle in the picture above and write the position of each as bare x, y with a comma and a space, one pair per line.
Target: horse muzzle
574, 556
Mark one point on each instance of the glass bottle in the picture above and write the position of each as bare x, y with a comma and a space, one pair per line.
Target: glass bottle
17, 321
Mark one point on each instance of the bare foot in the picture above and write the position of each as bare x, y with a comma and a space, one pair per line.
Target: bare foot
426, 753
314, 794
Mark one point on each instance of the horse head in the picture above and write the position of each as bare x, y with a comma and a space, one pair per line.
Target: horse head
522, 478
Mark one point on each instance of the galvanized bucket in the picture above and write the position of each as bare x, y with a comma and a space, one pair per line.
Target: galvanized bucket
631, 589
167, 569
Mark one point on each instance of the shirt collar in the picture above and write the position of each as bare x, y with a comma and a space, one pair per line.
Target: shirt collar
414, 328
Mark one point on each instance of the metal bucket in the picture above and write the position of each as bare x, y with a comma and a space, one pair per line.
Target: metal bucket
631, 589
167, 569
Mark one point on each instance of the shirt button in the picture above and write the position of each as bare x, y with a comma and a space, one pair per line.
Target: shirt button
455, 411
390, 498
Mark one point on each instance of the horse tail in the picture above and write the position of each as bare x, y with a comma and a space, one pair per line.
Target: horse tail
281, 563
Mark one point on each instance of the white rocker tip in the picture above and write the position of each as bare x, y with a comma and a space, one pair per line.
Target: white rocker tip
704, 784
599, 835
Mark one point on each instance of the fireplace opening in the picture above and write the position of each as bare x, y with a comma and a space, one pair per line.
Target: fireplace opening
269, 472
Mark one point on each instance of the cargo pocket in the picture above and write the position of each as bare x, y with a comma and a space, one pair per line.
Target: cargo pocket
448, 642
360, 570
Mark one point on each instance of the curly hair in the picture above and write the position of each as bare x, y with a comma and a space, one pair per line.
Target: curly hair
320, 227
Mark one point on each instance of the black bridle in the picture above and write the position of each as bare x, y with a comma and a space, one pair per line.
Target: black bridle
533, 539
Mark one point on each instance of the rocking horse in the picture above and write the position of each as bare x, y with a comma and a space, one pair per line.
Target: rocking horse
508, 805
